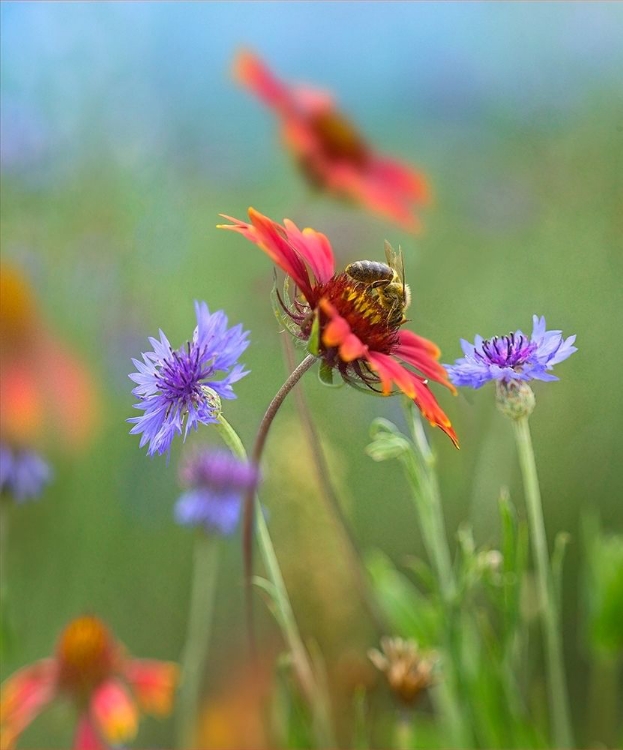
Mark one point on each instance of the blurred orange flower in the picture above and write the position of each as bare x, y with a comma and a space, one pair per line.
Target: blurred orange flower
43, 385
108, 688
331, 152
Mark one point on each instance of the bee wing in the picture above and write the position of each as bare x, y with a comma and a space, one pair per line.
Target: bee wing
395, 261
392, 256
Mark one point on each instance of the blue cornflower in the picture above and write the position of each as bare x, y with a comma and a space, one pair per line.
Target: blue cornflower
23, 473
513, 357
180, 388
217, 481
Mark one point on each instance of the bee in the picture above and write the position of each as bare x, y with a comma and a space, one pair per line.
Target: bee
386, 282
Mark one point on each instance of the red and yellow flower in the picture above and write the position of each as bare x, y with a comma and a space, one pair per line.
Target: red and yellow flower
343, 321
331, 152
44, 387
108, 688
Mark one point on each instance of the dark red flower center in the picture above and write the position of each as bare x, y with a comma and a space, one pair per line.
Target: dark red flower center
364, 309
338, 138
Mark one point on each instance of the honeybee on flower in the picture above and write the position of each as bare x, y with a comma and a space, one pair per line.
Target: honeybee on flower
350, 320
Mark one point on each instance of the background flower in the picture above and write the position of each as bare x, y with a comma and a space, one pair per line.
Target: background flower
23, 473
109, 688
217, 481
332, 154
180, 388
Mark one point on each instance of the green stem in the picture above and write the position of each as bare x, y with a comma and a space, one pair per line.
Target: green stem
420, 466
284, 613
289, 628
6, 630
4, 543
404, 735
197, 638
430, 511
557, 690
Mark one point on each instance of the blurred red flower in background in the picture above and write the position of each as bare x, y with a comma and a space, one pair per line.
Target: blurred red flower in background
107, 687
44, 388
331, 152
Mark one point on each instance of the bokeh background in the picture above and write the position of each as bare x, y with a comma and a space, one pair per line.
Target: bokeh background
124, 137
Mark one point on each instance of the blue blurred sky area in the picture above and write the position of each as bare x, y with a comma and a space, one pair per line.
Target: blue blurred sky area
145, 78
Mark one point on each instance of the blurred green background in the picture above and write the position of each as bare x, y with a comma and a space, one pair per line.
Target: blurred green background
124, 137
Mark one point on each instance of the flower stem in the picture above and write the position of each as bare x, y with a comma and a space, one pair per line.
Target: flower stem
198, 636
563, 737
430, 511
283, 607
333, 505
249, 498
420, 467
5, 622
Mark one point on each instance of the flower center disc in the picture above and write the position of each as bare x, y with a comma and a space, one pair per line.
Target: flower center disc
339, 140
358, 303
85, 654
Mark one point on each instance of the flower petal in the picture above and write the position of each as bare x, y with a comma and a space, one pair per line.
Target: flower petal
87, 736
422, 354
251, 72
375, 194
315, 249
338, 333
114, 712
23, 696
272, 239
390, 371
153, 683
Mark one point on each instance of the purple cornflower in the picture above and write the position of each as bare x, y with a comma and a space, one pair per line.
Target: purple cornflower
23, 473
217, 481
512, 357
180, 388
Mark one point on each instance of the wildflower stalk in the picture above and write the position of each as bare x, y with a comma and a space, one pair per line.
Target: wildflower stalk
404, 735
258, 450
420, 466
332, 503
428, 502
205, 571
557, 690
5, 630
285, 615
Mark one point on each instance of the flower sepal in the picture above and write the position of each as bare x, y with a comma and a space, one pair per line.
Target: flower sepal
514, 398
326, 375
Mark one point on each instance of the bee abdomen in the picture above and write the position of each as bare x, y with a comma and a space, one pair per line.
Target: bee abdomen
369, 271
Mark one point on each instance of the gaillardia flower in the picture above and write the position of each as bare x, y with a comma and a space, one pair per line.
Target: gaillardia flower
350, 322
216, 482
180, 388
23, 473
330, 151
107, 687
46, 391
514, 357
